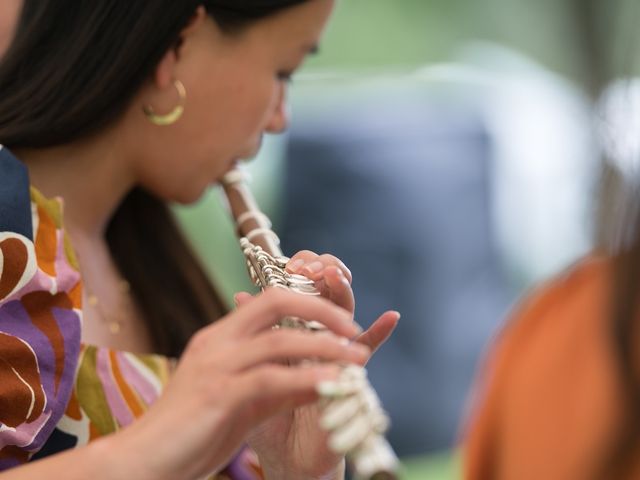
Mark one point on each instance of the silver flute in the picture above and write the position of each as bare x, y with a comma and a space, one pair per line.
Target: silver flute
351, 411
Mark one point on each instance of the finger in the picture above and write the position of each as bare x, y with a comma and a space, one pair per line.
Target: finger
274, 304
300, 259
282, 344
310, 264
380, 331
242, 298
338, 289
272, 389
314, 270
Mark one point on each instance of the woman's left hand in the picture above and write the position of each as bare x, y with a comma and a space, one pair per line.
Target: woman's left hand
333, 278
293, 445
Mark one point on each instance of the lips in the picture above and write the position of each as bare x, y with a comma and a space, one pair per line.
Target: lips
232, 165
252, 151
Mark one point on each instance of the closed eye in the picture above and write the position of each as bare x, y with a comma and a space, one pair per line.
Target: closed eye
286, 77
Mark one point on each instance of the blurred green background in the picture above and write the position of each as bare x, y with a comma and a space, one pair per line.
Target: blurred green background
371, 34
400, 33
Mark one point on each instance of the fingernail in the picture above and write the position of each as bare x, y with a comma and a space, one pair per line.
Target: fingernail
295, 265
314, 267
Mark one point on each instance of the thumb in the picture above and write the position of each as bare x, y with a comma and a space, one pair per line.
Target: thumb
242, 298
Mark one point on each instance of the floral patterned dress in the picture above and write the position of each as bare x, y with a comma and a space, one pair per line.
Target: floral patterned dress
57, 393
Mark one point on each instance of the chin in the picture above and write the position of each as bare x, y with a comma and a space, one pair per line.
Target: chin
189, 196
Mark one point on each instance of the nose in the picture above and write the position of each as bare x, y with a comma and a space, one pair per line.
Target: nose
279, 120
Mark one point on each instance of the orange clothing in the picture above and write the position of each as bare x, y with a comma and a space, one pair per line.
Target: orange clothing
550, 399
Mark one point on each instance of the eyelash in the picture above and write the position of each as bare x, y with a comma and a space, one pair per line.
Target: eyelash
285, 77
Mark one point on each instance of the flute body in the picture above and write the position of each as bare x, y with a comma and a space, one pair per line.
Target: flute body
351, 411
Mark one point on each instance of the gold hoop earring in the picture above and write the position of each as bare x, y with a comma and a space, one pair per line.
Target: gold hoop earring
174, 115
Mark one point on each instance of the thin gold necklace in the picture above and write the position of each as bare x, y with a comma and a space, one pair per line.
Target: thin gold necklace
114, 323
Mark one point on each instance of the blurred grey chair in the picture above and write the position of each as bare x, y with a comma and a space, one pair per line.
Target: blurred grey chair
399, 189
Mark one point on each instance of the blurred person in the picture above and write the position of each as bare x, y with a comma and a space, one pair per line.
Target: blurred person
9, 10
112, 110
558, 396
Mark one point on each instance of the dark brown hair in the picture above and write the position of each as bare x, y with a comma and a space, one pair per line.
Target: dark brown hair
73, 67
608, 51
626, 285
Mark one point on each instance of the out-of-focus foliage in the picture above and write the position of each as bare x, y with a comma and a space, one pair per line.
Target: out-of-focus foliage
400, 33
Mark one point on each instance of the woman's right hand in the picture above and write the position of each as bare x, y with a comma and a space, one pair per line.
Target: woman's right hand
230, 378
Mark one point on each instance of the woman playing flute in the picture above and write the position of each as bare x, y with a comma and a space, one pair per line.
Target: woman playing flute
117, 357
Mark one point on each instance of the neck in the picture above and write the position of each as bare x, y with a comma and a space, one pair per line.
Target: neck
91, 177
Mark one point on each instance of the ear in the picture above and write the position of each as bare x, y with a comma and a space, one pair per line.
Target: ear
165, 71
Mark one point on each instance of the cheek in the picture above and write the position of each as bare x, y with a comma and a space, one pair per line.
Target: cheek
235, 112
224, 119
248, 108
221, 123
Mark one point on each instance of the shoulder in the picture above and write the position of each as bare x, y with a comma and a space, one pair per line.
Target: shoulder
17, 254
550, 370
15, 199
578, 294
556, 325
570, 309
33, 243
39, 315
